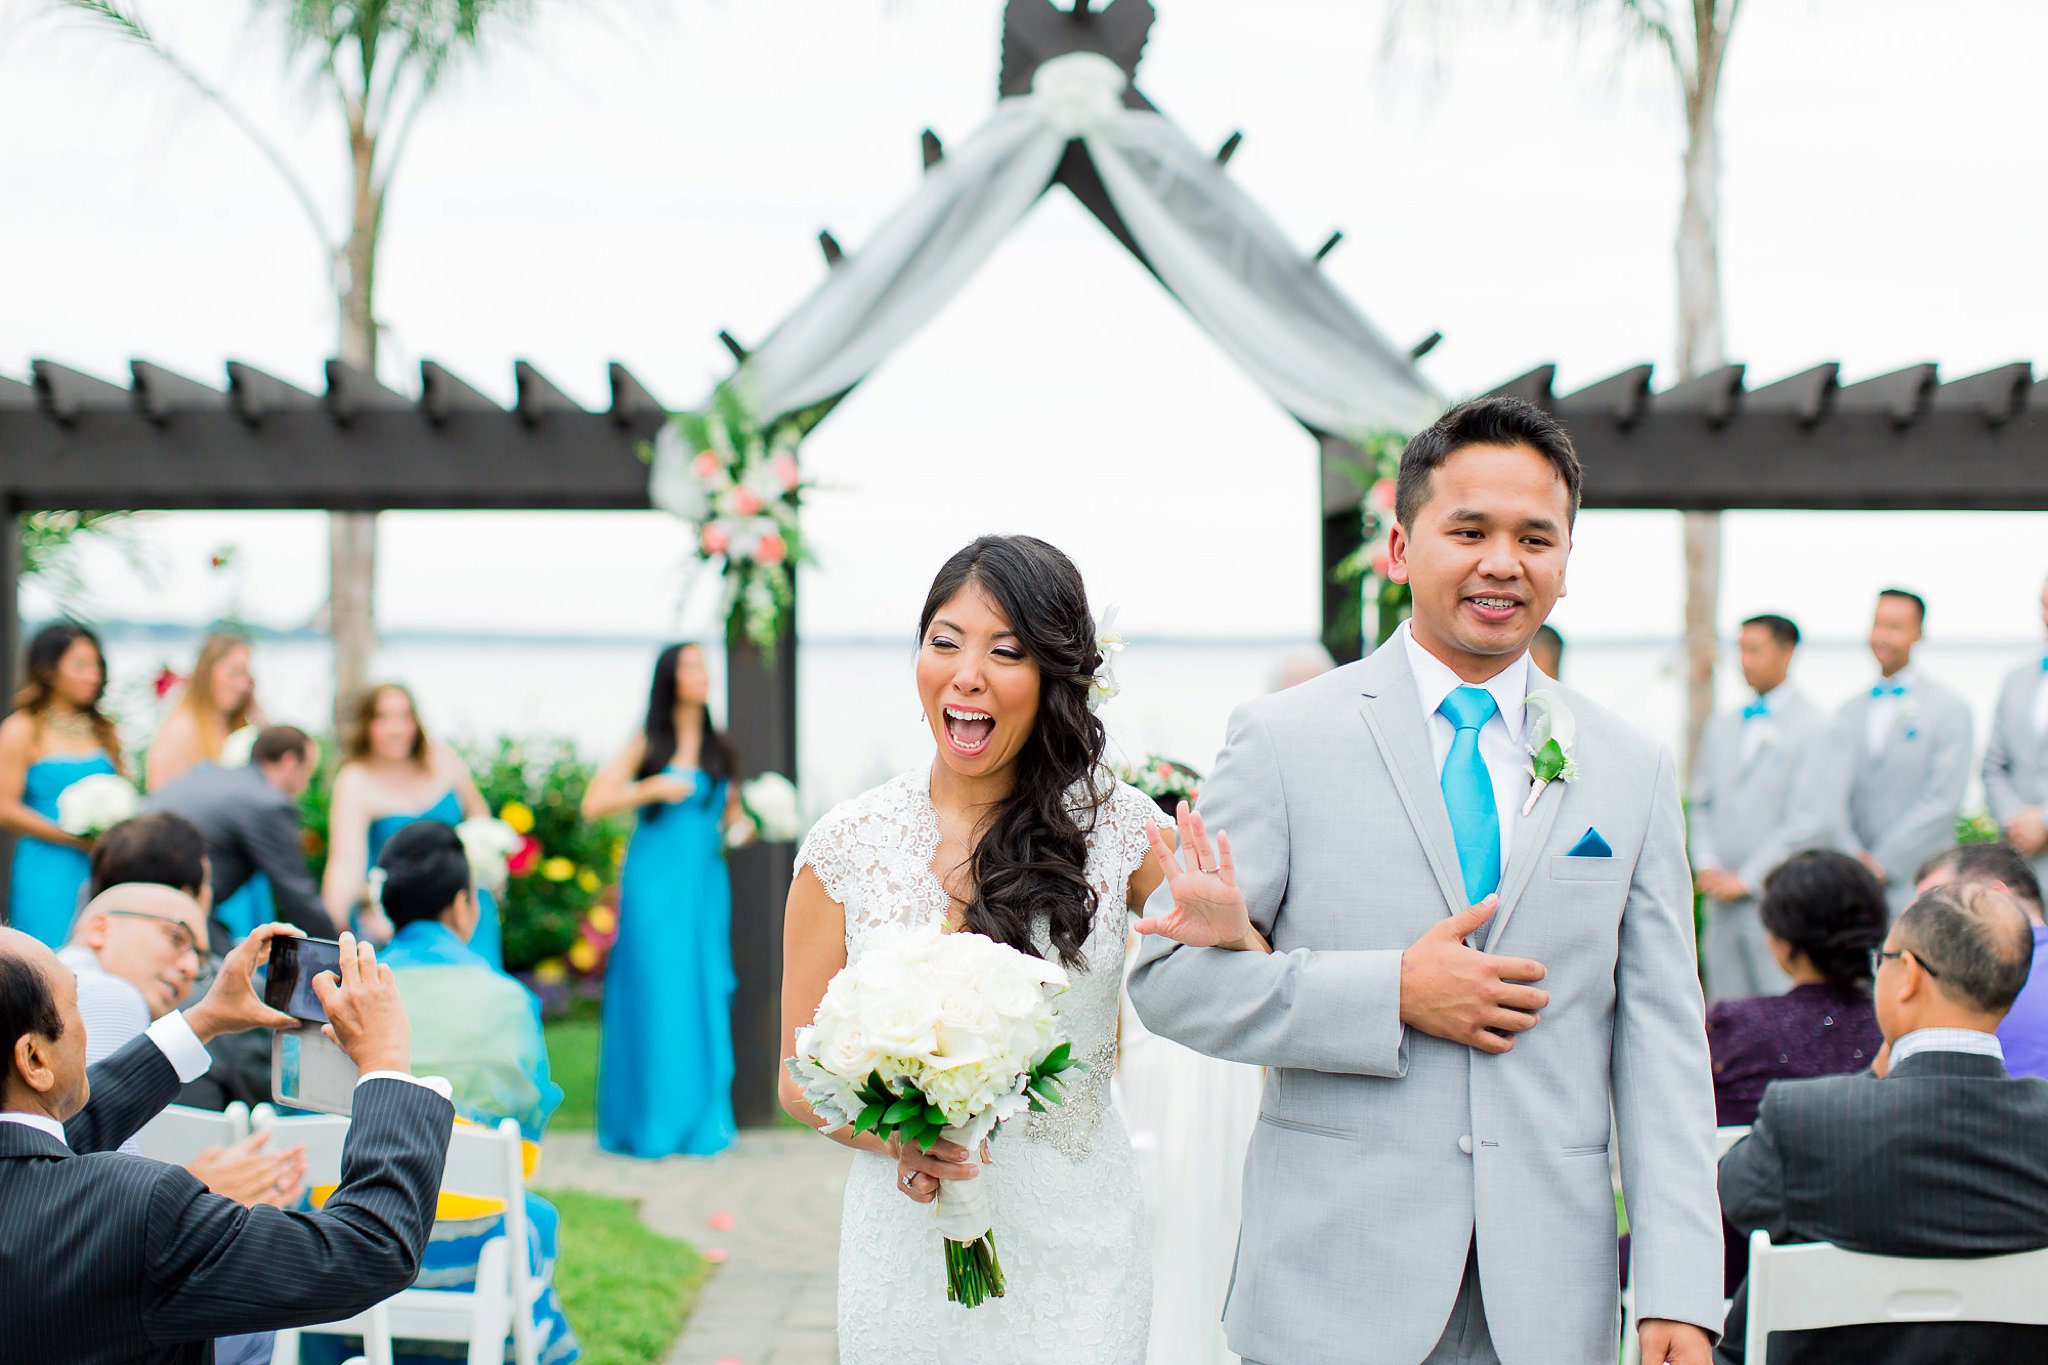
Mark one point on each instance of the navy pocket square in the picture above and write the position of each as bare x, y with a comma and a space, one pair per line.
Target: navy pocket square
1590, 845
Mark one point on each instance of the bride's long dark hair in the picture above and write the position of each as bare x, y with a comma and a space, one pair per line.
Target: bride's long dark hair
1032, 860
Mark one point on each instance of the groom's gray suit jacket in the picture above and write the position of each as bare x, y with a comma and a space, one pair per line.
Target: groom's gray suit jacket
1380, 1152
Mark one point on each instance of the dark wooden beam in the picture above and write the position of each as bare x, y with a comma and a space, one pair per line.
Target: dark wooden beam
160, 392
828, 244
1329, 245
930, 148
632, 404
442, 395
1623, 396
537, 396
1425, 346
761, 712
1229, 148
731, 343
255, 395
1807, 395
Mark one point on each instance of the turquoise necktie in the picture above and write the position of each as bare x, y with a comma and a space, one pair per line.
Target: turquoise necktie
1468, 792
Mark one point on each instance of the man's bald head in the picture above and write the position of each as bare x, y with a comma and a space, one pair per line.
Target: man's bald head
151, 936
1976, 936
41, 1030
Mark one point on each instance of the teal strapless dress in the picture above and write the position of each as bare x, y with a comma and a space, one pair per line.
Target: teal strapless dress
488, 942
664, 1083
49, 877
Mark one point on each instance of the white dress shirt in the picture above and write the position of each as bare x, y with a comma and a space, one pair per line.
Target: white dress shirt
1947, 1040
1883, 718
1754, 728
1500, 739
2041, 701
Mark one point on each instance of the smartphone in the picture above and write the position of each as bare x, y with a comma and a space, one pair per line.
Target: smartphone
307, 1070
288, 982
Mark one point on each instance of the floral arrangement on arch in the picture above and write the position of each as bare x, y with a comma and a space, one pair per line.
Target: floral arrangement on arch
1165, 780
1367, 566
738, 484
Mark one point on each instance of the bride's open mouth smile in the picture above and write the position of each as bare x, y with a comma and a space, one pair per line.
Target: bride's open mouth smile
968, 731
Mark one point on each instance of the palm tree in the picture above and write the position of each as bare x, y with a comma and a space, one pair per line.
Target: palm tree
377, 64
1692, 36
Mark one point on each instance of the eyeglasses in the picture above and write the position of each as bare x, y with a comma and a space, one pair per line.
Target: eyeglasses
1879, 955
178, 934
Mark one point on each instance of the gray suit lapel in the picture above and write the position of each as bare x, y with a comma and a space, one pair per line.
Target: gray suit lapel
1532, 833
1393, 713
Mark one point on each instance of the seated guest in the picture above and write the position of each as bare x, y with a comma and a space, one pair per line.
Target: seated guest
249, 817
105, 1257
1936, 1153
155, 846
480, 1029
1822, 913
136, 950
2024, 1032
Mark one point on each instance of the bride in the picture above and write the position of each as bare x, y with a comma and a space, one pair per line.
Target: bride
1014, 831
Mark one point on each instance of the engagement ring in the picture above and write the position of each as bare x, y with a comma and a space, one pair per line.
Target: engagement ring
909, 1179
1210, 870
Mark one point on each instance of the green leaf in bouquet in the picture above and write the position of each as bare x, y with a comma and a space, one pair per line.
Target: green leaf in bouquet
870, 1120
934, 1115
903, 1109
1056, 1060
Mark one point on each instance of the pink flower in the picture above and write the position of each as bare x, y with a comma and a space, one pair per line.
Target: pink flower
786, 473
746, 502
716, 539
772, 550
525, 859
165, 681
707, 465
1382, 495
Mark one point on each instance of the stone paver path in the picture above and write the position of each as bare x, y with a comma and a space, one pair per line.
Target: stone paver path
772, 1301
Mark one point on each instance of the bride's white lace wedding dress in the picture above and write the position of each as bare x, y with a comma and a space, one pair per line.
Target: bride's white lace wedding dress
1069, 1212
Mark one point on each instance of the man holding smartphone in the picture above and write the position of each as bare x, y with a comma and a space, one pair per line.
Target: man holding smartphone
106, 1257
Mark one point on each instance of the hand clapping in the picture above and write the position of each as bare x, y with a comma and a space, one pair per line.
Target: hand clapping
1209, 910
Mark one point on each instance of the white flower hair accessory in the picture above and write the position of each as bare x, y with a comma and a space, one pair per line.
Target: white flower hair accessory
1109, 642
1551, 733
373, 889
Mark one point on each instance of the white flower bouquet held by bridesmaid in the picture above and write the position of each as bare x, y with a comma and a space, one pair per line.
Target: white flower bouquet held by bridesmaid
770, 805
93, 805
939, 1035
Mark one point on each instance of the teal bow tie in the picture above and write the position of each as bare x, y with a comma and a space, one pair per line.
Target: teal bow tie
1895, 690
1755, 710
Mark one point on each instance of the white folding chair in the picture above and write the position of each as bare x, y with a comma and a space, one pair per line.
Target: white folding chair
181, 1133
1806, 1286
486, 1163
1632, 1344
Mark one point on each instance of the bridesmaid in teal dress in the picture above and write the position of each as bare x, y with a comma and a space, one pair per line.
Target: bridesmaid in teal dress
56, 736
664, 1081
393, 776
219, 698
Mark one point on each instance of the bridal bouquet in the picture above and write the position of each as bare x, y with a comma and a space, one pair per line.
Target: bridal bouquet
93, 805
934, 1035
770, 804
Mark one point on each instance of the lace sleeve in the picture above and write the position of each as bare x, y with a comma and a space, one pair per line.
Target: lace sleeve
1131, 813
828, 851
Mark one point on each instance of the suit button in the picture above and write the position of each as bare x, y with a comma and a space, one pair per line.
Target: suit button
1465, 1144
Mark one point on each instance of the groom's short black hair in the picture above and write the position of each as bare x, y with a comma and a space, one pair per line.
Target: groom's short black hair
1485, 422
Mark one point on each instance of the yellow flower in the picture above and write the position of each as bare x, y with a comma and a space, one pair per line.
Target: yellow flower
602, 919
588, 881
517, 814
582, 956
550, 971
558, 869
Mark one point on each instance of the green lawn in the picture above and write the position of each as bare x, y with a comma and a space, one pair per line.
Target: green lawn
627, 1289
572, 1057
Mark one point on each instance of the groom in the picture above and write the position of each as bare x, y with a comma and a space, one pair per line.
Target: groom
1429, 1176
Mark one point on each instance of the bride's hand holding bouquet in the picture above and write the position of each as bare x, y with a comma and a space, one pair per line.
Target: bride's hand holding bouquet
929, 1042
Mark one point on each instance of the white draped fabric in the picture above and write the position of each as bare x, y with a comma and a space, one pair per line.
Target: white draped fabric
1221, 256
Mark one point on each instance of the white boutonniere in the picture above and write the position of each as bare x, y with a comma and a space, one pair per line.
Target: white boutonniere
1551, 735
1109, 641
1909, 713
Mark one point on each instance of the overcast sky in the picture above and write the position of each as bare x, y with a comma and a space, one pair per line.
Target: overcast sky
623, 180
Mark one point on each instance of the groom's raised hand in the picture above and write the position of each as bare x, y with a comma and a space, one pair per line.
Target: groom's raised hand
1451, 991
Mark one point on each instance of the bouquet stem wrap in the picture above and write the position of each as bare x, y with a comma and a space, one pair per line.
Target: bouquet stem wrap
966, 1217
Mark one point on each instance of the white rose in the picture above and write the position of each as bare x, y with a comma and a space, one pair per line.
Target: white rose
897, 1022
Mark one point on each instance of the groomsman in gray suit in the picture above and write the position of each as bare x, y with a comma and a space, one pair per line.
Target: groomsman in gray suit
2016, 760
1406, 847
1887, 781
1742, 786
